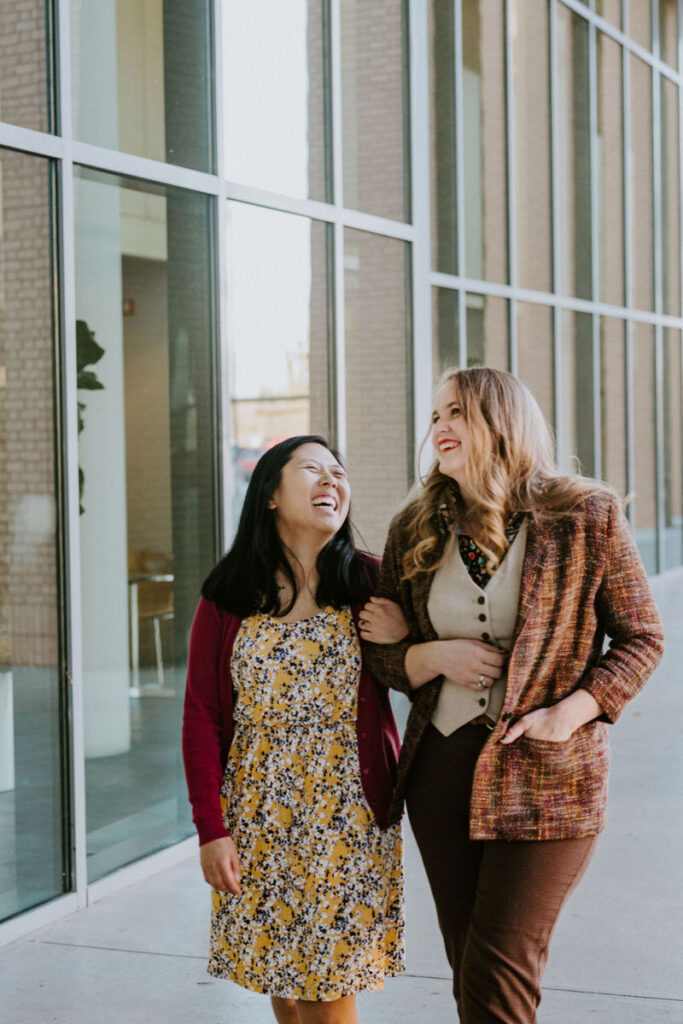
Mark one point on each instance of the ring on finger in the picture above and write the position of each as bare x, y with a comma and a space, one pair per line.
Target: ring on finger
481, 682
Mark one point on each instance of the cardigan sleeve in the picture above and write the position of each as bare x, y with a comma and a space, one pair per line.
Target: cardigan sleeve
202, 723
386, 662
628, 614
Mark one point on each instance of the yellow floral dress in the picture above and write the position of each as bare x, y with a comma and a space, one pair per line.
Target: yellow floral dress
321, 910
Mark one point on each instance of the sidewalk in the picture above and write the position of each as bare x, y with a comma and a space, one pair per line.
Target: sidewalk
138, 957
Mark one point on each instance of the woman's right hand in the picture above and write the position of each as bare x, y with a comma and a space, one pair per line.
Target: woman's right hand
469, 663
221, 865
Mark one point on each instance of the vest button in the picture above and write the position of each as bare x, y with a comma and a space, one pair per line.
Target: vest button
482, 617
481, 600
482, 702
485, 636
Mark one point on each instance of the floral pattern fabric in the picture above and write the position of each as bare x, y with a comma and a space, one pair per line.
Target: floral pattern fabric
475, 559
321, 910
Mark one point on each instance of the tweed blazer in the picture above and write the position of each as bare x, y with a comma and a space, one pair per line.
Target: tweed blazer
582, 581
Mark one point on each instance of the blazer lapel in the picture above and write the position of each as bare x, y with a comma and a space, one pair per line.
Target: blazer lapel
532, 572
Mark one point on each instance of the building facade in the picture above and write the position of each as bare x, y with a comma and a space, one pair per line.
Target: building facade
223, 223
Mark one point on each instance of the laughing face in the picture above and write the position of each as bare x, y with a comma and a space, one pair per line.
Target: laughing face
450, 433
313, 493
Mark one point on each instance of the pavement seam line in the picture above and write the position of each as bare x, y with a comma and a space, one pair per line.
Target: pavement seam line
555, 988
118, 949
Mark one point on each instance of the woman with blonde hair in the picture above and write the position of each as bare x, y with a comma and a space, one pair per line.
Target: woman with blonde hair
510, 575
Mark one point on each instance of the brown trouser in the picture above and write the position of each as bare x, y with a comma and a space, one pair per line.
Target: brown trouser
497, 901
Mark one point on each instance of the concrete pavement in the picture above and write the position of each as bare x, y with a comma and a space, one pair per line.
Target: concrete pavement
617, 957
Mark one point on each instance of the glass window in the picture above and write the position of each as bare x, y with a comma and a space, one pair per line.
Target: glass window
141, 77
442, 142
278, 331
532, 143
374, 40
573, 169
644, 450
445, 329
31, 714
26, 73
613, 402
379, 428
487, 331
148, 529
668, 32
535, 354
671, 205
276, 95
575, 414
442, 137
641, 201
485, 139
673, 449
640, 22
610, 170
610, 10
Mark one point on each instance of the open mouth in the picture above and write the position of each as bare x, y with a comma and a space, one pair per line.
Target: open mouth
448, 445
327, 502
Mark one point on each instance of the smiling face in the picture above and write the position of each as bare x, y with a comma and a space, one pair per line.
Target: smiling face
450, 434
313, 494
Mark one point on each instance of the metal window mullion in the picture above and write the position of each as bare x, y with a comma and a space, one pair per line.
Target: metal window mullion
628, 272
558, 398
504, 291
680, 207
67, 284
28, 140
513, 360
622, 37
338, 370
595, 248
460, 177
422, 353
659, 300
223, 384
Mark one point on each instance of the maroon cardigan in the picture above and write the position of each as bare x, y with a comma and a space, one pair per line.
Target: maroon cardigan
208, 723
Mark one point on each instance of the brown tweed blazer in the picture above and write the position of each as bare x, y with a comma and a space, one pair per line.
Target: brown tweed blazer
582, 580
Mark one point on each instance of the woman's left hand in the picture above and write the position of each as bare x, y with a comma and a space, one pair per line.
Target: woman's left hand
382, 621
557, 723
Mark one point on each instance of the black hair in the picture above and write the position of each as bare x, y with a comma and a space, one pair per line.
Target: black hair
243, 582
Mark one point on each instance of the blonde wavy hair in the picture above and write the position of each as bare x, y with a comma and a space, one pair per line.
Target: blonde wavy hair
510, 467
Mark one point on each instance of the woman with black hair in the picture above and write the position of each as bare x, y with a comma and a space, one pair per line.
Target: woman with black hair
290, 750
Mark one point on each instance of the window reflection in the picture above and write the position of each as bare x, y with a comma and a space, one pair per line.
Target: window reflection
673, 449
141, 73
671, 203
487, 331
535, 354
279, 333
531, 72
147, 528
445, 330
575, 413
573, 123
276, 95
644, 444
379, 430
610, 170
613, 402
442, 137
668, 31
31, 798
484, 139
641, 199
374, 43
